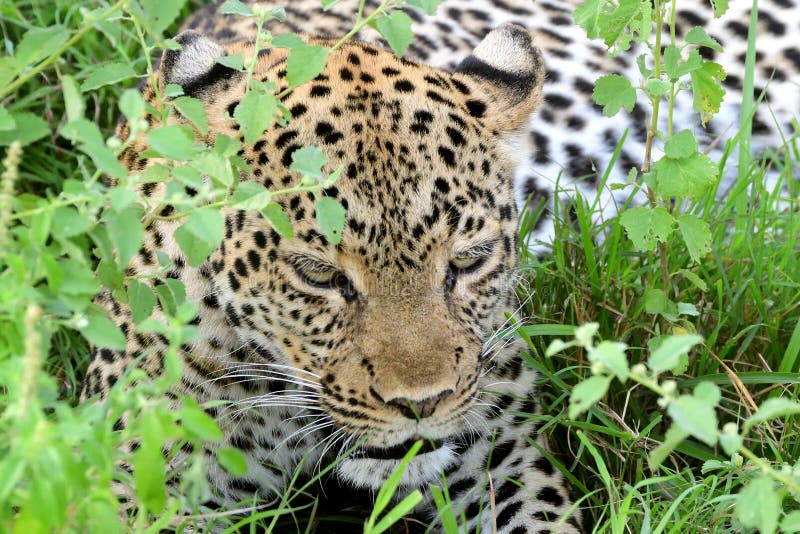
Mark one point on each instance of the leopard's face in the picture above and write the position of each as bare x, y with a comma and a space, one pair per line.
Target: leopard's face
386, 330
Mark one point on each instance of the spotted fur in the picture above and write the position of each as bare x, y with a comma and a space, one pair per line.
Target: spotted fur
388, 336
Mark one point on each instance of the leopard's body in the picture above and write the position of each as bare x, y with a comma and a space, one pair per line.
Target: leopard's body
386, 337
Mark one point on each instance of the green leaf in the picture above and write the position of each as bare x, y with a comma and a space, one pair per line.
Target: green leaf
758, 505
667, 356
657, 87
200, 235
585, 394
305, 63
131, 104
232, 460
70, 222
148, 473
125, 232
73, 99
173, 142
7, 121
612, 355
629, 20
255, 113
720, 7
681, 145
791, 522
696, 417
157, 15
79, 280
589, 15
696, 234
200, 425
675, 67
685, 177
694, 279
384, 496
396, 29
235, 7
288, 40
233, 61
330, 216
251, 196
429, 6
772, 409
39, 43
194, 110
398, 512
141, 299
708, 392
655, 300
27, 129
278, 219
707, 89
86, 135
101, 331
672, 439
614, 92
308, 161
646, 227
107, 74
730, 443
698, 36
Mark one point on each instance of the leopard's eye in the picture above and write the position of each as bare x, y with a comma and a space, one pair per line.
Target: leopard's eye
467, 263
322, 275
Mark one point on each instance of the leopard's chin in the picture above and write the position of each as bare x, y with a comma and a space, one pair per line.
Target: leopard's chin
397, 452
372, 468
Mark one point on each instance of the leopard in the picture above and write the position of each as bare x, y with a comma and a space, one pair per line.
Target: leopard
312, 353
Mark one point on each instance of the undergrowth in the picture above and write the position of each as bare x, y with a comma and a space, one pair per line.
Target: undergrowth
681, 418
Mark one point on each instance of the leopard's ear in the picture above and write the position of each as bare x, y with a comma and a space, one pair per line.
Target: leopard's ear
194, 67
509, 68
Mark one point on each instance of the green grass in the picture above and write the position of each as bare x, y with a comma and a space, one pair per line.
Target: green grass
748, 315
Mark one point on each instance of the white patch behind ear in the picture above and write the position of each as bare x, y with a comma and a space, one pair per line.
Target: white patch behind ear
197, 58
506, 49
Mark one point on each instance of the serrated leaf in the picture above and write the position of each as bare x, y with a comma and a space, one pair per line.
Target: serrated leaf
308, 161
696, 417
255, 113
251, 196
772, 409
720, 7
330, 216
232, 460
687, 308
233, 61
200, 235
278, 219
681, 145
87, 137
698, 36
657, 87
102, 332
588, 16
612, 355
173, 142
646, 227
194, 110
667, 356
157, 15
707, 89
685, 177
614, 92
429, 6
73, 99
287, 40
694, 279
141, 300
585, 394
696, 234
396, 29
27, 129
107, 74
674, 436
758, 505
305, 63
655, 300
791, 522
38, 43
235, 7
629, 20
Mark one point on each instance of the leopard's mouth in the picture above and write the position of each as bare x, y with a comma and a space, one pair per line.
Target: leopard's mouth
396, 452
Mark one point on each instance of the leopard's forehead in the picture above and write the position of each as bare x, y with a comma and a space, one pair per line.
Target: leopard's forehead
419, 165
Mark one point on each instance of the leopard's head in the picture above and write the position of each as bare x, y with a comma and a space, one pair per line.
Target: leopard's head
391, 323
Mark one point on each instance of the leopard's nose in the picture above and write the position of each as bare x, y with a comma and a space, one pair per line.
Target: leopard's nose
412, 408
